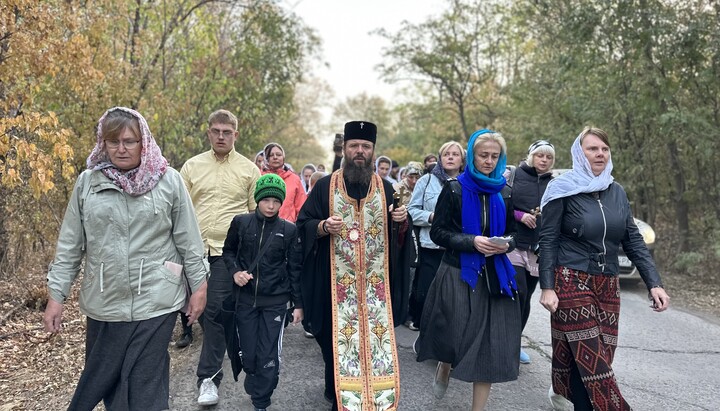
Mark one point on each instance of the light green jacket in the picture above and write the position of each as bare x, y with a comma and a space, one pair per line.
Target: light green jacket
125, 242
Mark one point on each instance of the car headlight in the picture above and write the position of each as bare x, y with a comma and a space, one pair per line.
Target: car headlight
646, 231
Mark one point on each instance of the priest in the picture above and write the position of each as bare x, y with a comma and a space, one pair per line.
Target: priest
357, 251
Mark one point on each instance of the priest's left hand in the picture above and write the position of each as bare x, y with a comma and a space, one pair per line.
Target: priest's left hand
399, 215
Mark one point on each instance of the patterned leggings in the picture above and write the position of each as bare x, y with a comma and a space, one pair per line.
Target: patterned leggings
584, 338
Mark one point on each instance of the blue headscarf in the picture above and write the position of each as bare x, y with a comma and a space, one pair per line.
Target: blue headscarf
474, 184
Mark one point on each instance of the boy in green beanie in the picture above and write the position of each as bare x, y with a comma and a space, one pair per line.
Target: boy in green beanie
262, 253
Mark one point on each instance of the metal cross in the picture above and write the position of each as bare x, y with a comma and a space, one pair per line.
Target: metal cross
398, 196
361, 125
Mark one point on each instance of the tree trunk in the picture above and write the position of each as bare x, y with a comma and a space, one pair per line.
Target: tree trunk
3, 233
681, 205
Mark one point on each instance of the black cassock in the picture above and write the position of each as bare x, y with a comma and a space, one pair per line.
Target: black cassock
316, 256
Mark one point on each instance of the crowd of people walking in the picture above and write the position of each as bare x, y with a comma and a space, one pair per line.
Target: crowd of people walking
244, 247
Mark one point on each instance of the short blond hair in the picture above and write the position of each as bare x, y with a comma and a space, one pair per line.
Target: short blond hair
447, 145
223, 117
494, 136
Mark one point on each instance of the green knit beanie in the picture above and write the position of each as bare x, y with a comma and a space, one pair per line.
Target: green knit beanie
270, 185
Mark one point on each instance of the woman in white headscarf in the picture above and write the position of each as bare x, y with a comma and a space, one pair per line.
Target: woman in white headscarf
131, 220
586, 218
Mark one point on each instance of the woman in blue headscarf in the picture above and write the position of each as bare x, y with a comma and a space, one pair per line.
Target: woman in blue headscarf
471, 318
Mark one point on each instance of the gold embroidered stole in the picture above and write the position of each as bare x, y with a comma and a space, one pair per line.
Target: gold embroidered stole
367, 373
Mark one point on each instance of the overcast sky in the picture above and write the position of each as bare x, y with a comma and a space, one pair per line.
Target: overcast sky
348, 48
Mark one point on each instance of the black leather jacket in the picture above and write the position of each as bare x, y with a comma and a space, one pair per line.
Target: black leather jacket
277, 274
447, 232
585, 231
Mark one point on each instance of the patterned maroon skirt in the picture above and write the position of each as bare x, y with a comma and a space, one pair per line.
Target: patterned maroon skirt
584, 331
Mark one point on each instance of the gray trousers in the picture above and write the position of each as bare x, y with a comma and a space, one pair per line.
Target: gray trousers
220, 286
127, 365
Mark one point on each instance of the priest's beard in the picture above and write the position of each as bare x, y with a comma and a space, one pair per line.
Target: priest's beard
358, 173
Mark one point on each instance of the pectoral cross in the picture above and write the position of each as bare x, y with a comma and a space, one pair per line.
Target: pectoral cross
361, 125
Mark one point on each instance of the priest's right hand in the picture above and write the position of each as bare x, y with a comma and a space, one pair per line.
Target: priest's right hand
333, 224
242, 277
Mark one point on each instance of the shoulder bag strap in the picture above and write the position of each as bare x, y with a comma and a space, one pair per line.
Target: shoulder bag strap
261, 252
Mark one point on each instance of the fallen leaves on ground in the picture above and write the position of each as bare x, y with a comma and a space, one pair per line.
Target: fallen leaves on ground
39, 371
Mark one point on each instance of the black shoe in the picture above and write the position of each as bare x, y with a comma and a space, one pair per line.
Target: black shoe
184, 341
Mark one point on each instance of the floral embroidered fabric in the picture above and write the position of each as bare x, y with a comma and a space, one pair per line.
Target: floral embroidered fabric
366, 362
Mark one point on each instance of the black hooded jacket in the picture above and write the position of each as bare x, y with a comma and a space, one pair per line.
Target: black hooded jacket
276, 278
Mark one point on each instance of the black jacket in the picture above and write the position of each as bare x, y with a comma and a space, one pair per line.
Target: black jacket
527, 190
276, 278
447, 232
585, 231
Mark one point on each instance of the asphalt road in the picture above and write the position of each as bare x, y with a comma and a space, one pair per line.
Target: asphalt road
664, 361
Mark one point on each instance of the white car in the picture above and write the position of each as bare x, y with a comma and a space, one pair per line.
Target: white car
627, 268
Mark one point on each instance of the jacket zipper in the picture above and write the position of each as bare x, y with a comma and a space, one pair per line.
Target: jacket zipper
257, 280
602, 211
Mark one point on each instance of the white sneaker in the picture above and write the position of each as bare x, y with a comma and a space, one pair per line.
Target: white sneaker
558, 401
208, 393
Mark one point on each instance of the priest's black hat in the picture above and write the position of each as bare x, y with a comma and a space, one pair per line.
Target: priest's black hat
360, 130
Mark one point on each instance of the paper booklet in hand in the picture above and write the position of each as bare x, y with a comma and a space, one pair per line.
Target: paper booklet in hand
500, 240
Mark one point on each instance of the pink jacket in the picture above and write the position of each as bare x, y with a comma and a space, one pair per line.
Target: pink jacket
294, 194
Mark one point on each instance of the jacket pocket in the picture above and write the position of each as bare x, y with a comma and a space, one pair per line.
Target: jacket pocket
430, 201
171, 276
92, 297
88, 279
167, 291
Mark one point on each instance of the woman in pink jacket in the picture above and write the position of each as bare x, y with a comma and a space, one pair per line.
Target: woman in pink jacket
295, 193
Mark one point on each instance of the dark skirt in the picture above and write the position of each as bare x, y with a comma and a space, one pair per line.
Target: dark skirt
127, 365
476, 333
584, 337
428, 262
